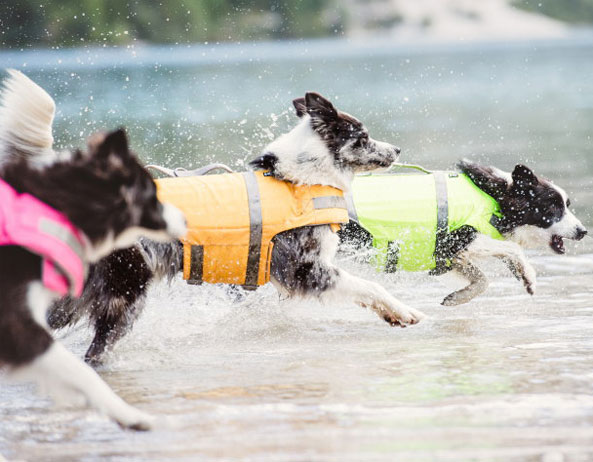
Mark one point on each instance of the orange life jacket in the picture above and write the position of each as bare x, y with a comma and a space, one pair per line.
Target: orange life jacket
233, 217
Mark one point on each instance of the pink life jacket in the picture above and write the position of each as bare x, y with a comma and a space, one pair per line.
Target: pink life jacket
27, 222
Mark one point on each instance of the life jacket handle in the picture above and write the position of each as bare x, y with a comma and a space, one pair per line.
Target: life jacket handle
181, 171
412, 166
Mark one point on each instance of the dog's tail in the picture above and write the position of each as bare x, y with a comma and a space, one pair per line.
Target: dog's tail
26, 117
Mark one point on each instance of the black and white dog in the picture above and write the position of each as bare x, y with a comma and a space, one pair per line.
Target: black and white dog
327, 147
108, 198
535, 214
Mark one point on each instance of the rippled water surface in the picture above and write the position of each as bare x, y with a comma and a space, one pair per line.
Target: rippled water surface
507, 377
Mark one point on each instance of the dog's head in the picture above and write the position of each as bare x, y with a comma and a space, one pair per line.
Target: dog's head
119, 195
535, 211
327, 147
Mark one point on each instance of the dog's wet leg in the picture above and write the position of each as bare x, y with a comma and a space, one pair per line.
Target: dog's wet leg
124, 278
522, 270
510, 253
371, 295
112, 324
478, 282
301, 266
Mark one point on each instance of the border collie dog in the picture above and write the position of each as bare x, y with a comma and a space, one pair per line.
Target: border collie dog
518, 210
327, 147
97, 201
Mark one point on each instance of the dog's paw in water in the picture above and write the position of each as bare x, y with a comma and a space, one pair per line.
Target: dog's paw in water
133, 419
402, 316
529, 278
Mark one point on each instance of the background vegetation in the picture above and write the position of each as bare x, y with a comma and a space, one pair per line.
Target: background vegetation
25, 23
572, 11
75, 22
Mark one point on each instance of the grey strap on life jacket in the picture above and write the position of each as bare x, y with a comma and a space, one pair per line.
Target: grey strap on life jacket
329, 202
196, 265
351, 207
440, 186
255, 230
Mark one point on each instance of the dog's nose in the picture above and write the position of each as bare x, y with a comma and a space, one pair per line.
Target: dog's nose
581, 233
397, 150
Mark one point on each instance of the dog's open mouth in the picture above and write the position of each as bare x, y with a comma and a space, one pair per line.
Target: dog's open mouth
557, 244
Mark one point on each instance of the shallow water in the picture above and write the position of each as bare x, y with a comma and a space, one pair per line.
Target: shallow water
506, 377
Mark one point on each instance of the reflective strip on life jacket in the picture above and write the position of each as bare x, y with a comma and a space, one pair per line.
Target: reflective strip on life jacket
255, 230
27, 222
64, 235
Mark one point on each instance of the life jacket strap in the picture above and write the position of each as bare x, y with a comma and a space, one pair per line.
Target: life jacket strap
351, 207
440, 185
196, 270
181, 171
329, 202
61, 233
255, 230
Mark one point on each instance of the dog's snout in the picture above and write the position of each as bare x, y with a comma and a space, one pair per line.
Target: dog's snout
581, 233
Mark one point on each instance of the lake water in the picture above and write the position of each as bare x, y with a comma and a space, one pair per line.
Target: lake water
507, 377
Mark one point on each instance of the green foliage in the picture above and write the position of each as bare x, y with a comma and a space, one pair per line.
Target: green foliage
572, 11
74, 22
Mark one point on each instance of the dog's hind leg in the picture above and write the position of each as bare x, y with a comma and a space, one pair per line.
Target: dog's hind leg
478, 283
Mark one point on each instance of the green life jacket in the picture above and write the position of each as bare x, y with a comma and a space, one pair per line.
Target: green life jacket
411, 210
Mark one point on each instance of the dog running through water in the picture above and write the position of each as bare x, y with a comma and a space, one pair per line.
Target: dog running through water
318, 157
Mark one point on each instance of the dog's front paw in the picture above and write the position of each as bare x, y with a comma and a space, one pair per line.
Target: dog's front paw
403, 315
133, 419
529, 279
529, 286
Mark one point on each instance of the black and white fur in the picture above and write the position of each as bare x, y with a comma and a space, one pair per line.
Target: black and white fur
536, 214
108, 196
327, 147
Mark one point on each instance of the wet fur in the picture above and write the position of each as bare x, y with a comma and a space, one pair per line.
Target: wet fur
535, 214
108, 196
326, 147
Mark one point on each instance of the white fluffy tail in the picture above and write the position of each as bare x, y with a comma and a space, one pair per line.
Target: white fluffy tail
26, 116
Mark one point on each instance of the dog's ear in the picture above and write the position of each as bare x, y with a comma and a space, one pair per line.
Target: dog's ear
300, 106
523, 177
319, 108
488, 179
266, 161
94, 141
112, 152
115, 143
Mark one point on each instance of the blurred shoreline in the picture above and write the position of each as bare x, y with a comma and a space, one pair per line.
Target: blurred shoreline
142, 54
27, 24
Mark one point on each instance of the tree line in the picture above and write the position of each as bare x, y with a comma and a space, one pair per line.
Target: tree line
26, 23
